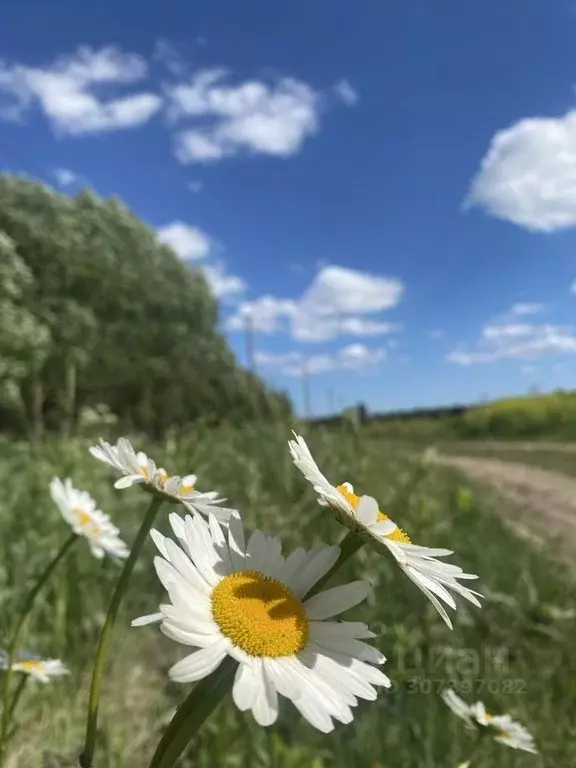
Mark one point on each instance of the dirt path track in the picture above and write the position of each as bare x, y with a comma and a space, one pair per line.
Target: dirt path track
542, 500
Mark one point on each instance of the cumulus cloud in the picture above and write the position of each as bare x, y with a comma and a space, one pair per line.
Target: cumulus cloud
65, 91
527, 308
354, 357
515, 340
188, 242
253, 117
335, 304
528, 175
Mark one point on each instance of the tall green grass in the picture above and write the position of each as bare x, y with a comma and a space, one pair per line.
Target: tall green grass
511, 654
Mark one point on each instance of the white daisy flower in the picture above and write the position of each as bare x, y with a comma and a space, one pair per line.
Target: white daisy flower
243, 599
39, 669
361, 513
138, 469
79, 510
501, 727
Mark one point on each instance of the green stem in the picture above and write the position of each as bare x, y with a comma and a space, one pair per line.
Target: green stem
13, 647
202, 701
106, 634
349, 545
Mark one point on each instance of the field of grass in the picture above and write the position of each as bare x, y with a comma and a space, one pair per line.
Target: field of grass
517, 653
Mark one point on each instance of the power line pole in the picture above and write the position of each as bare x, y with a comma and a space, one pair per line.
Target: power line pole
249, 341
306, 391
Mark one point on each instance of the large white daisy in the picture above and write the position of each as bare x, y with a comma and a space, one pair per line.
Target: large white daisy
80, 511
361, 513
39, 669
501, 727
243, 599
139, 469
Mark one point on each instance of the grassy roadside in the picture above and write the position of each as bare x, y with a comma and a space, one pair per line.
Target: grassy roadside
514, 653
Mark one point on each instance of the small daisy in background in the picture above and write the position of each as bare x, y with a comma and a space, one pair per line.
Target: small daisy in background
38, 668
139, 469
501, 727
243, 599
361, 514
81, 512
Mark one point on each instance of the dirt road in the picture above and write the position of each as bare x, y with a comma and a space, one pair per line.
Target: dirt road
542, 500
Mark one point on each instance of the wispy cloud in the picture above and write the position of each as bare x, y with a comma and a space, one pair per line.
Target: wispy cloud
436, 334
195, 186
354, 357
528, 175
346, 93
223, 285
64, 90
65, 177
335, 304
515, 340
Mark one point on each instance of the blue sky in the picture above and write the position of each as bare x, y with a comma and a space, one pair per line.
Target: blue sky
387, 190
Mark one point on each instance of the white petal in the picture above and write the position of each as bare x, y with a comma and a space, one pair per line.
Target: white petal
316, 567
150, 618
265, 705
201, 548
200, 663
336, 600
236, 542
292, 566
245, 686
383, 527
128, 481
255, 550
272, 560
367, 510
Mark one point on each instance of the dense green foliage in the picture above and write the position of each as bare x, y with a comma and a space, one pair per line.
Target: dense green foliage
95, 311
515, 653
551, 415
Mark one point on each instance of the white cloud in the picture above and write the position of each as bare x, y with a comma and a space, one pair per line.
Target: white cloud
311, 327
346, 92
64, 90
527, 308
195, 186
223, 285
165, 53
528, 175
266, 314
186, 241
354, 357
573, 287
342, 290
335, 304
250, 117
65, 177
515, 340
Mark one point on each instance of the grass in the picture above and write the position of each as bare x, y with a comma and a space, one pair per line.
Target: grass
515, 653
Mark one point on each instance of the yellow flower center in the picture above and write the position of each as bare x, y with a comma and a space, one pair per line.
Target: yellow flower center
260, 615
30, 666
397, 535
186, 488
84, 520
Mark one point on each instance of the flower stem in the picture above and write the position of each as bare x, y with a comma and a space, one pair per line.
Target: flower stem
202, 701
106, 634
349, 545
13, 647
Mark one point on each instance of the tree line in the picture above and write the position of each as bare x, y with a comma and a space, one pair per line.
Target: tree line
96, 313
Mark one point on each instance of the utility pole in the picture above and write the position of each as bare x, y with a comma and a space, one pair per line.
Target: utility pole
306, 391
249, 341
